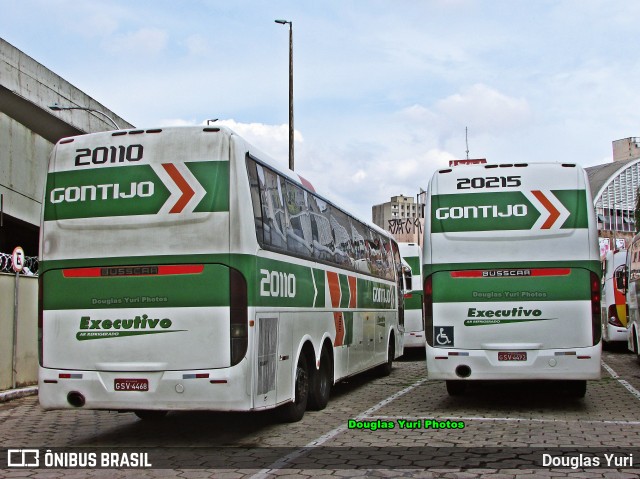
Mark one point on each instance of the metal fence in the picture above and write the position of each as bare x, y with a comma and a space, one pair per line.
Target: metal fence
30, 264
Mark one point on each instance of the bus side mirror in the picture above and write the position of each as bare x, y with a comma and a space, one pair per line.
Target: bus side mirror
407, 280
621, 279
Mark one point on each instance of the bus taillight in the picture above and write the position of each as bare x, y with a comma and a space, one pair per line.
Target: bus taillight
613, 318
596, 315
238, 316
427, 313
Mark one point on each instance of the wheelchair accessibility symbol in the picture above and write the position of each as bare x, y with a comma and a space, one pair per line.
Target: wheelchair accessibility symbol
443, 336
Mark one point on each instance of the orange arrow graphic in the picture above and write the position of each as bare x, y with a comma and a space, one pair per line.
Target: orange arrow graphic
554, 214
187, 191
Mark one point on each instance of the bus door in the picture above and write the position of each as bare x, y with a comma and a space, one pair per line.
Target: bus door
274, 361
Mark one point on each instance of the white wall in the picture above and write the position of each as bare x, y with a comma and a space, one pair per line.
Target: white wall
27, 340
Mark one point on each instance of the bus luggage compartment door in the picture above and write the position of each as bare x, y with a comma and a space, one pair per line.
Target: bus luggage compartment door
171, 317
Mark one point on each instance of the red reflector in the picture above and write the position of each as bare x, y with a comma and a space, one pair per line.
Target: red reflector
119, 271
218, 381
50, 381
584, 357
81, 273
511, 273
442, 357
408, 295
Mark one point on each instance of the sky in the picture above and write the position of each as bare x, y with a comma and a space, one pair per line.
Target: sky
384, 91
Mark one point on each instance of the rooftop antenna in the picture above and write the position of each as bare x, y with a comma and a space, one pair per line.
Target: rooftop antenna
466, 138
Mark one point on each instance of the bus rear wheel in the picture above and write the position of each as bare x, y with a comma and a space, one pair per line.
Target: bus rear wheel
456, 388
577, 389
293, 411
321, 383
385, 369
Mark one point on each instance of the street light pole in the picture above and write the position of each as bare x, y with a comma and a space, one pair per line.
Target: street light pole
286, 22
56, 107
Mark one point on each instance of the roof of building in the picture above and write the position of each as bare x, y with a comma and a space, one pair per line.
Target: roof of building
600, 175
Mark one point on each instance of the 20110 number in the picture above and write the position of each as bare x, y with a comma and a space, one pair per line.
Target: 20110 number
112, 154
277, 284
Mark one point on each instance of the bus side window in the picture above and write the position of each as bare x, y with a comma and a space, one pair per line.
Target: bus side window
621, 278
255, 182
407, 279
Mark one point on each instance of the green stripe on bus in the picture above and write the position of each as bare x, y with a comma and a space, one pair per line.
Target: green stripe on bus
267, 281
414, 264
318, 278
573, 287
100, 192
590, 265
209, 288
129, 191
414, 301
344, 291
283, 284
214, 178
348, 328
500, 211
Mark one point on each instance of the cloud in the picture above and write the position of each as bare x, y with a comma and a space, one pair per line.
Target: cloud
145, 41
178, 122
485, 109
197, 45
272, 139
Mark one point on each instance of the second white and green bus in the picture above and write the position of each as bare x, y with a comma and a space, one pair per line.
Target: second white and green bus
181, 270
413, 325
512, 276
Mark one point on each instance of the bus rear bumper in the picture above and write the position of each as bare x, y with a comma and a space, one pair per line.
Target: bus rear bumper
454, 364
615, 333
414, 339
216, 389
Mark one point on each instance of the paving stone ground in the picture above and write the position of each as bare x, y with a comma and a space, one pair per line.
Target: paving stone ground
512, 423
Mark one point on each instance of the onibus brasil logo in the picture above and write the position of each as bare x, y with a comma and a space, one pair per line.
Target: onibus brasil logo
114, 328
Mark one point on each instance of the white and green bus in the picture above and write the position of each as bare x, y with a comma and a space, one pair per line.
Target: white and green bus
182, 271
413, 325
512, 276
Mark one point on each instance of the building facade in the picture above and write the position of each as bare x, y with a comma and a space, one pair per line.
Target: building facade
402, 216
614, 187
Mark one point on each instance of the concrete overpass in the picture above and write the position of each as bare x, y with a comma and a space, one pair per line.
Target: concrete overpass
28, 131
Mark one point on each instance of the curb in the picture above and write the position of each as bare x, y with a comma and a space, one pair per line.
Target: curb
17, 393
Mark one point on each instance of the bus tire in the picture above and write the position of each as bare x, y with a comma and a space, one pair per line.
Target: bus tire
385, 369
456, 388
150, 414
577, 389
294, 411
321, 382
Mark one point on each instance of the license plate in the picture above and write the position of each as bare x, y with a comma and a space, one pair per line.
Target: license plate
512, 356
131, 385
